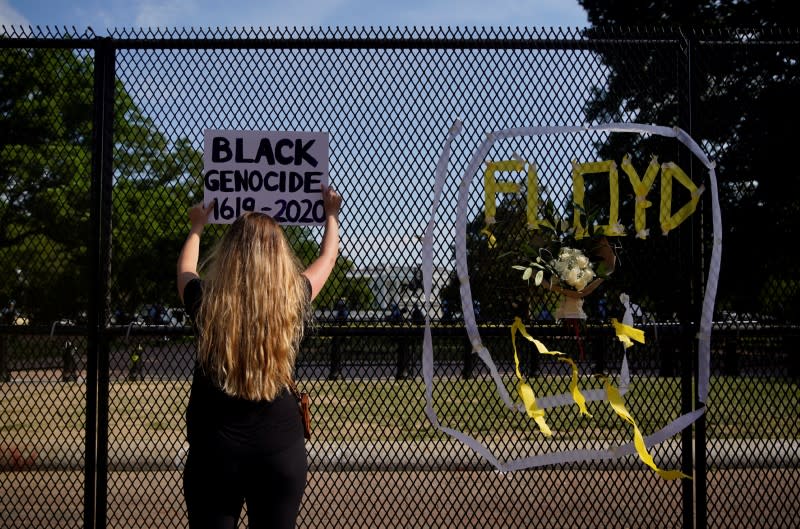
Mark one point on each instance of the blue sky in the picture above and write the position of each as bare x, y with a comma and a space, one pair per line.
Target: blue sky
102, 15
364, 244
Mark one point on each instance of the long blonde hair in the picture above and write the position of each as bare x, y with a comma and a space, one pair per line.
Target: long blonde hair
255, 303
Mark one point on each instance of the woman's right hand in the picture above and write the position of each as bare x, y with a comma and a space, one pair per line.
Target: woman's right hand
331, 201
319, 271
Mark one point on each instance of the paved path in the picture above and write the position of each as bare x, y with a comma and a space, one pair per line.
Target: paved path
737, 499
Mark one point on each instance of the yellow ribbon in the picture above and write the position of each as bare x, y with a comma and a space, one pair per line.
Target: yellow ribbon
492, 242
626, 333
534, 412
578, 192
615, 399
526, 392
641, 187
518, 326
577, 396
670, 222
493, 187
524, 389
532, 202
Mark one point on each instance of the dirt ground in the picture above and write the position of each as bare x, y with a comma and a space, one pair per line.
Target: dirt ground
487, 499
148, 495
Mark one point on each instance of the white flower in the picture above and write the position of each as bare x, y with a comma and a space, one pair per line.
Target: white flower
571, 276
573, 267
582, 282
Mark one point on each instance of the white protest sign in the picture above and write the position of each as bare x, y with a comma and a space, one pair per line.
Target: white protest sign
274, 172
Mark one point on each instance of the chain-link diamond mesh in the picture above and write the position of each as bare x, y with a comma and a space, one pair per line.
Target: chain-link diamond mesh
387, 97
755, 357
45, 148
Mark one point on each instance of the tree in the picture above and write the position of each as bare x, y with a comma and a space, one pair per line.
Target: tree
743, 115
45, 168
155, 181
498, 288
354, 290
45, 172
45, 135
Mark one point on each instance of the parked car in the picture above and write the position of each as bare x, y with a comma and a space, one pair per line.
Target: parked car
154, 314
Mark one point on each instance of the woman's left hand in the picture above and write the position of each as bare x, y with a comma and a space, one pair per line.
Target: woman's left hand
198, 215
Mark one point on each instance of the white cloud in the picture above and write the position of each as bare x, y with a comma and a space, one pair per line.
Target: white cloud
169, 13
353, 13
299, 13
306, 13
444, 13
10, 16
210, 13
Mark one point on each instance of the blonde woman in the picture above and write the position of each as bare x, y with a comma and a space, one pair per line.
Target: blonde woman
243, 425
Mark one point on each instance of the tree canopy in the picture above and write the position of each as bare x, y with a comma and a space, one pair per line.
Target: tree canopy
733, 90
45, 153
742, 115
46, 110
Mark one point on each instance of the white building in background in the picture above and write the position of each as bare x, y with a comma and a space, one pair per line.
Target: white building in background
402, 285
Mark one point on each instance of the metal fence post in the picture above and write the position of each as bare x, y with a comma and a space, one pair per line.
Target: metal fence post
469, 359
403, 353
5, 376
694, 447
335, 364
69, 366
96, 469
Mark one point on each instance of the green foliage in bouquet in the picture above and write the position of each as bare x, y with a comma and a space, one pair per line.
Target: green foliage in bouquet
558, 260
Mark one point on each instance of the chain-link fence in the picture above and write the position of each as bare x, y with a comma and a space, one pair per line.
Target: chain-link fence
102, 156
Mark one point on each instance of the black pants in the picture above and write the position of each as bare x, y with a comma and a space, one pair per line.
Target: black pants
221, 476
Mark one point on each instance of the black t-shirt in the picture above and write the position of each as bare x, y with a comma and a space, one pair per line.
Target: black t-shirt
211, 413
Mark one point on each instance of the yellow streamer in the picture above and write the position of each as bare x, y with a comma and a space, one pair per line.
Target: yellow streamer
615, 399
534, 412
492, 241
626, 333
613, 227
524, 389
526, 392
532, 202
492, 187
577, 396
642, 188
670, 222
518, 326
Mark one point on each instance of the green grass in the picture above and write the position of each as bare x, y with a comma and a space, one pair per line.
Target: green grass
753, 408
386, 410
389, 410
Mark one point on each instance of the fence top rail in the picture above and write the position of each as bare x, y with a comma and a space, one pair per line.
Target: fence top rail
367, 328
351, 37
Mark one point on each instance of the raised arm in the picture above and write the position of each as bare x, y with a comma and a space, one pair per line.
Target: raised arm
190, 253
319, 271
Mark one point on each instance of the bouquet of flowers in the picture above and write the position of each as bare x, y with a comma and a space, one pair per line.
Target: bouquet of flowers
573, 267
565, 263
